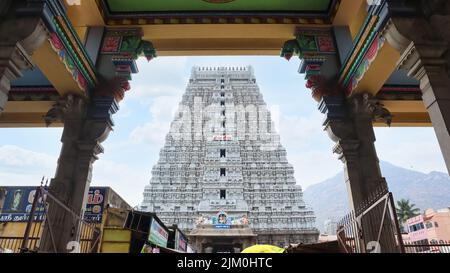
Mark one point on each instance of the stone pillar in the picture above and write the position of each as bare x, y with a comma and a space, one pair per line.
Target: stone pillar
423, 38
86, 125
354, 139
21, 32
435, 86
349, 123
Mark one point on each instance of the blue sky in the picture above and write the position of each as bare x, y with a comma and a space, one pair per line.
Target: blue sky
145, 115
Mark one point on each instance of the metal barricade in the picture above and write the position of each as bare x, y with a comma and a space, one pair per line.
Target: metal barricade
87, 237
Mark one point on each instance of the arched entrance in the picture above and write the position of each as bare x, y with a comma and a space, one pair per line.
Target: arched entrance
349, 53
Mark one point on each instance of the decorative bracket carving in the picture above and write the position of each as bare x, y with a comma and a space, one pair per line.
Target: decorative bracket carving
125, 46
366, 104
314, 47
421, 39
340, 114
70, 106
321, 87
20, 36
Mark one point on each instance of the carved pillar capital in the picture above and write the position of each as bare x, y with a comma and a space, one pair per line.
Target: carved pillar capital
364, 105
317, 50
348, 123
69, 107
13, 59
347, 150
425, 55
119, 51
101, 110
20, 35
320, 87
339, 130
110, 88
429, 63
339, 127
336, 121
89, 150
422, 41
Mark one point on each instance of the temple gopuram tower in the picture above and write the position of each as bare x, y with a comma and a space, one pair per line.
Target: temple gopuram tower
223, 172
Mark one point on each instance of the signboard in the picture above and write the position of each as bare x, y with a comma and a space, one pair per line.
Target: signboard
95, 204
149, 249
180, 241
158, 235
17, 205
222, 137
19, 200
221, 220
222, 226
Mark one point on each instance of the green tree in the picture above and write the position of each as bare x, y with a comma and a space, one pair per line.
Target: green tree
405, 210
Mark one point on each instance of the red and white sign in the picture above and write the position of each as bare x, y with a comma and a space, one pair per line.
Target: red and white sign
222, 138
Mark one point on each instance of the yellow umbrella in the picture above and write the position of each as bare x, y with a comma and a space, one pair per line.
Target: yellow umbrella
263, 249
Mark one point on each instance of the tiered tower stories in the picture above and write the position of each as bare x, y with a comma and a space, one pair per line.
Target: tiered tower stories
222, 154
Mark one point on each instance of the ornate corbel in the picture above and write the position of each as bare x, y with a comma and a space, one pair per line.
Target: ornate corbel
340, 114
70, 106
425, 54
290, 48
321, 87
313, 47
103, 105
366, 105
422, 39
125, 45
20, 35
338, 126
110, 88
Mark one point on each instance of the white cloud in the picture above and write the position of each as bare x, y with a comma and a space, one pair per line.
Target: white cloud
163, 76
17, 157
152, 133
412, 148
160, 84
301, 130
424, 156
164, 108
162, 111
163, 69
144, 92
22, 167
127, 181
314, 166
308, 147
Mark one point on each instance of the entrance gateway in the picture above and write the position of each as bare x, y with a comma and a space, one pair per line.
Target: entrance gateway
222, 235
367, 63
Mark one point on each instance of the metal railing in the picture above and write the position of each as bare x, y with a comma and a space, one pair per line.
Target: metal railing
427, 246
13, 244
87, 237
373, 227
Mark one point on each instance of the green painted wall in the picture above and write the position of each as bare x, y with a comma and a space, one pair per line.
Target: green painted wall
200, 5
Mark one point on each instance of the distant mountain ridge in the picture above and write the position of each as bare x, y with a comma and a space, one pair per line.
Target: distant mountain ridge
432, 190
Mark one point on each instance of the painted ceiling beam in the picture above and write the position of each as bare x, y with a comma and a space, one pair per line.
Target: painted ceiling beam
135, 12
66, 45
